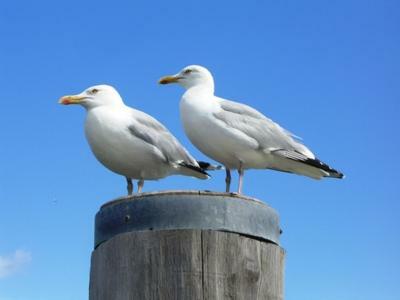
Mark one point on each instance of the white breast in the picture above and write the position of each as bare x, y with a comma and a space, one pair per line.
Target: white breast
211, 136
116, 148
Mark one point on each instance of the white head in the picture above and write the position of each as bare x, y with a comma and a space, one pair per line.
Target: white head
94, 96
191, 76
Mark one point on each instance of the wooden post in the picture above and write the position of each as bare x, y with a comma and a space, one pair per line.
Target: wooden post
186, 245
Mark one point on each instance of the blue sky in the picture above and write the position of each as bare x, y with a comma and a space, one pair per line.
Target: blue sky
327, 71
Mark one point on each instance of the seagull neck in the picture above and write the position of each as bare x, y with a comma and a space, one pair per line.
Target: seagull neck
201, 89
108, 106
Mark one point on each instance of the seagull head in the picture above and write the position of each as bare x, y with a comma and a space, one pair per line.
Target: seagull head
94, 96
191, 76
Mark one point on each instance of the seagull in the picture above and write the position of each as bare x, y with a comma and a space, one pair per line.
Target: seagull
131, 143
237, 135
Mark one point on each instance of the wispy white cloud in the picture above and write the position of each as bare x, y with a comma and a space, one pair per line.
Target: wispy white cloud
14, 262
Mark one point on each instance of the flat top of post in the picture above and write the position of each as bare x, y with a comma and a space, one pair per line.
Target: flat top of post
181, 193
198, 210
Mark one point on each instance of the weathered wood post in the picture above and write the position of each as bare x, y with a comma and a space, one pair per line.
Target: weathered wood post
186, 245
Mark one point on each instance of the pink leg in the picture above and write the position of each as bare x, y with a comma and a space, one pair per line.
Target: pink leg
228, 180
241, 175
140, 185
129, 185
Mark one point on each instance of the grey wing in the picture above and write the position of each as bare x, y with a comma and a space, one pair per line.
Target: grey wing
268, 134
154, 133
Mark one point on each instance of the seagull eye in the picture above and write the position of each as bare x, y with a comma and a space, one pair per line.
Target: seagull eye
188, 71
94, 91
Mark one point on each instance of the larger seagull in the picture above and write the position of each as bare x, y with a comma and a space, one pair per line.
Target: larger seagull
130, 142
237, 135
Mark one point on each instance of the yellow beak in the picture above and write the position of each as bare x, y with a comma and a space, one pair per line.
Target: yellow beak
169, 79
71, 99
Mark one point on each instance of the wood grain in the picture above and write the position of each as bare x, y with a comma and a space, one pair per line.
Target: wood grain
186, 264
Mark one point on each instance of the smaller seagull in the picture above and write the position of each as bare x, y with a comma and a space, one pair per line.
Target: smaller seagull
130, 142
237, 135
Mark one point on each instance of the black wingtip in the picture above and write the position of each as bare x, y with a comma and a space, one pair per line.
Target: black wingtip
209, 167
336, 174
194, 168
323, 166
313, 162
